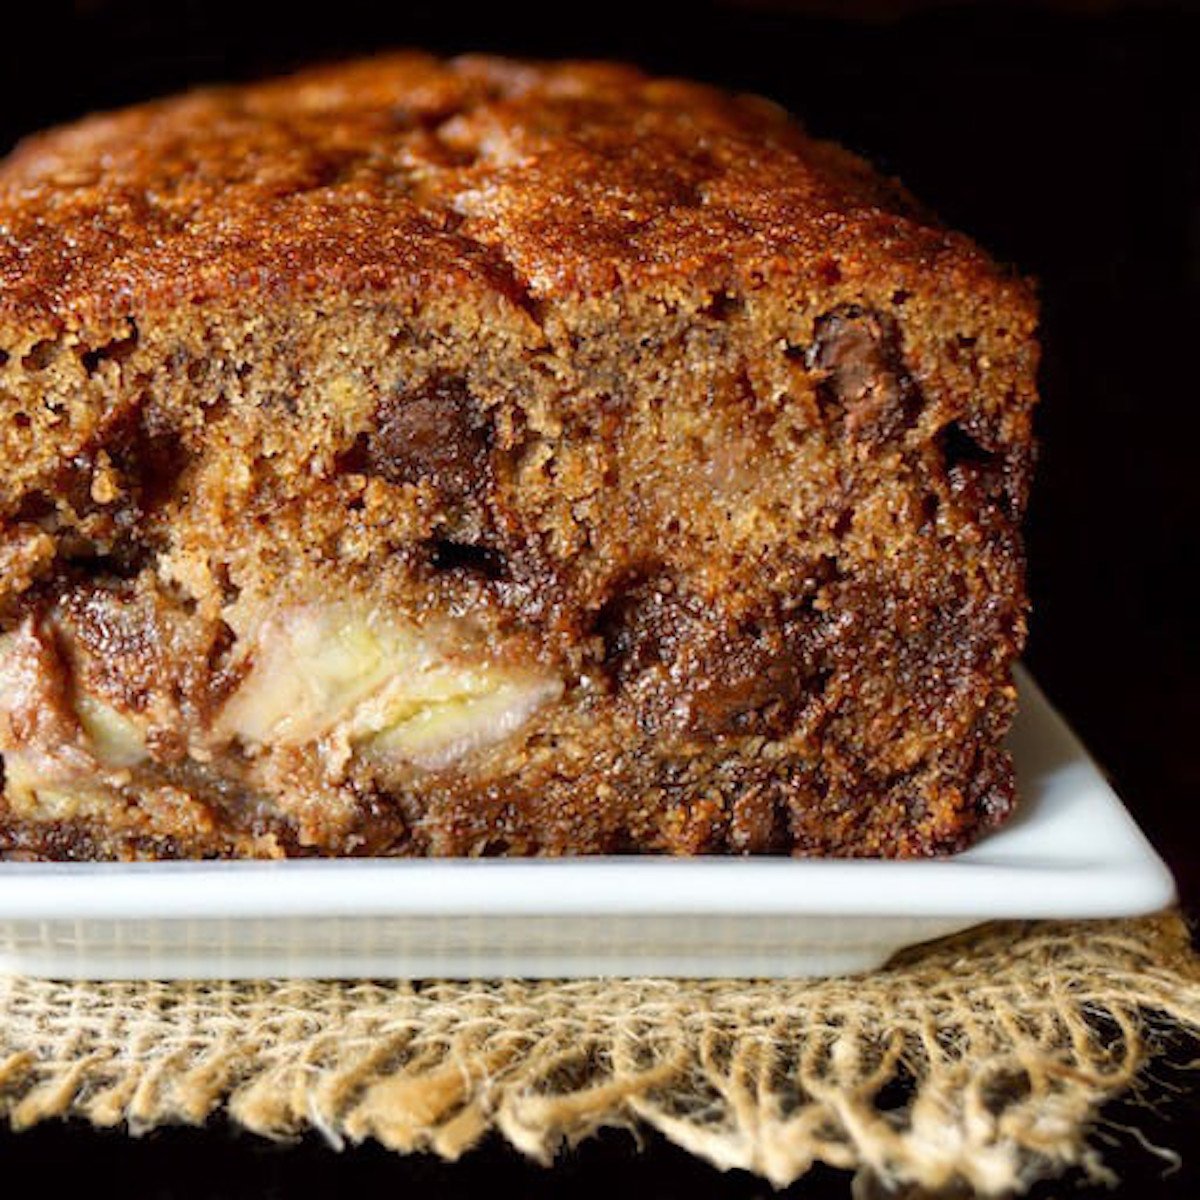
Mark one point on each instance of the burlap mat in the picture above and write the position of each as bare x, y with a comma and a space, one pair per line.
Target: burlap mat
980, 1060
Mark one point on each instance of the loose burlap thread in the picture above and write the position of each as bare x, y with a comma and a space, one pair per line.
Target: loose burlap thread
980, 1061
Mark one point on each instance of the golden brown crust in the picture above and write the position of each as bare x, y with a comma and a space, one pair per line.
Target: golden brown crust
530, 182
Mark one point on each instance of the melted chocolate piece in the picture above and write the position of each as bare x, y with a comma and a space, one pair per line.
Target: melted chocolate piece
858, 352
435, 432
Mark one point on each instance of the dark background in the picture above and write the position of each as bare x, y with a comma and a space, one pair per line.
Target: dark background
1066, 138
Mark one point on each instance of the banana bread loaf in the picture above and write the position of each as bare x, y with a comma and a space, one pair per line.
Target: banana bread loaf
476, 457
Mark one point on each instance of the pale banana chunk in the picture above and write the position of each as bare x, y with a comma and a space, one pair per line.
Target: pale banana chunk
23, 774
349, 675
113, 738
474, 709
50, 790
311, 666
56, 741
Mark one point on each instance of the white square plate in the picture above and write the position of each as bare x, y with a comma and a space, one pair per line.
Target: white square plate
1072, 850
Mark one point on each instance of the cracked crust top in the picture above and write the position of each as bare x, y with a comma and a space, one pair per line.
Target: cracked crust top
521, 182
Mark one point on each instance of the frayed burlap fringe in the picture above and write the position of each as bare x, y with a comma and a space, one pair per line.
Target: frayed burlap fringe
981, 1060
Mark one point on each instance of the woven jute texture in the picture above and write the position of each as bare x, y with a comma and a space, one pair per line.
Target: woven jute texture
979, 1061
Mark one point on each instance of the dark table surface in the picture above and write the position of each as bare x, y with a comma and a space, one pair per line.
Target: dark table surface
1064, 137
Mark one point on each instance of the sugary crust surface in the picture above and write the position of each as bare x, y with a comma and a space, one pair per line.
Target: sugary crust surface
530, 182
683, 455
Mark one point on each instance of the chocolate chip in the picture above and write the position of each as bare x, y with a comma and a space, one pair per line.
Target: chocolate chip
435, 433
856, 351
